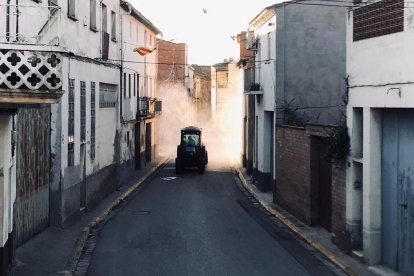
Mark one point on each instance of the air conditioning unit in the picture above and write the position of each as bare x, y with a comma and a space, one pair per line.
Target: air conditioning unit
251, 41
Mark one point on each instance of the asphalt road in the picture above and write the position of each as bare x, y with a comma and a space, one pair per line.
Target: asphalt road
198, 225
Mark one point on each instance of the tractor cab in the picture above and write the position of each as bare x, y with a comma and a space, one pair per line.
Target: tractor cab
191, 152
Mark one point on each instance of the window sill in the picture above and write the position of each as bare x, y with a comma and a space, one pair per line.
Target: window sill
93, 29
73, 17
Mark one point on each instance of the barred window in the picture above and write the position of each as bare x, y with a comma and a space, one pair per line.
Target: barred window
71, 122
125, 89
83, 110
93, 120
71, 154
107, 95
378, 19
129, 85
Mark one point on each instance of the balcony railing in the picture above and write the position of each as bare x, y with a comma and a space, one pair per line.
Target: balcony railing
30, 77
31, 25
149, 107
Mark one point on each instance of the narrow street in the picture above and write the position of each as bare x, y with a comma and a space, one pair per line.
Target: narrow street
198, 225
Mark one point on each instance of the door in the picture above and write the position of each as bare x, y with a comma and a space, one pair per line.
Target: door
148, 142
398, 190
32, 172
321, 177
137, 141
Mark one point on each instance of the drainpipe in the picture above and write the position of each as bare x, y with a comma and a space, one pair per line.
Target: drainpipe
8, 21
17, 19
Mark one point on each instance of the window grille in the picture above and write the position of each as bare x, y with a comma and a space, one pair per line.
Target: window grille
93, 120
83, 110
107, 95
71, 122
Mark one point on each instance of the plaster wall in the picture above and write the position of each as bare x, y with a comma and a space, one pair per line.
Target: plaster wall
311, 59
375, 84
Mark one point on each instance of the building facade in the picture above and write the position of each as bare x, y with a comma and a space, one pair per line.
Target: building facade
139, 103
70, 109
295, 110
261, 83
379, 188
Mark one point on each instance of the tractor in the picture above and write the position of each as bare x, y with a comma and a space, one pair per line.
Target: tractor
191, 152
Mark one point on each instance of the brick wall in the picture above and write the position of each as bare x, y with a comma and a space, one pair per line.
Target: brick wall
339, 204
171, 57
293, 176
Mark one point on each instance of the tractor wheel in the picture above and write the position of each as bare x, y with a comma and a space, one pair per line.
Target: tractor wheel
201, 169
178, 166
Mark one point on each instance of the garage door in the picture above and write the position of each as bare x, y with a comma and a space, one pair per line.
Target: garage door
398, 190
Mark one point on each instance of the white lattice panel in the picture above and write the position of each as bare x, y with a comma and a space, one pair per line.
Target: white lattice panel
29, 70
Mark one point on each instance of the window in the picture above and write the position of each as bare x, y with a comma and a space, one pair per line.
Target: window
104, 19
83, 111
135, 84
72, 9
71, 122
93, 120
129, 85
92, 19
130, 29
137, 33
269, 46
71, 154
113, 26
378, 19
125, 89
107, 95
145, 38
222, 79
150, 40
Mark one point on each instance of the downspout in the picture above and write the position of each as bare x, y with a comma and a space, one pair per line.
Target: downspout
8, 21
17, 20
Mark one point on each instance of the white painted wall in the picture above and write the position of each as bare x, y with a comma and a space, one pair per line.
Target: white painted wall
7, 179
135, 34
106, 118
380, 76
265, 75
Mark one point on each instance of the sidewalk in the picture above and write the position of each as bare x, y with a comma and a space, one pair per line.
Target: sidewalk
56, 250
316, 236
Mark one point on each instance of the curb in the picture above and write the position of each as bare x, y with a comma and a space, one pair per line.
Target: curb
83, 236
318, 246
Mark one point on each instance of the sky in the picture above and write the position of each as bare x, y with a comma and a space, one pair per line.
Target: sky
208, 35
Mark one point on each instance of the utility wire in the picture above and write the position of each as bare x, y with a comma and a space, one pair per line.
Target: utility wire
174, 64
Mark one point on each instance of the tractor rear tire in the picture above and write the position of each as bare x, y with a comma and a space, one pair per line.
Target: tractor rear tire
201, 169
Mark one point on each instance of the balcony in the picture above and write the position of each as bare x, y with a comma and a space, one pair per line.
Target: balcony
251, 43
149, 107
30, 25
30, 77
251, 87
